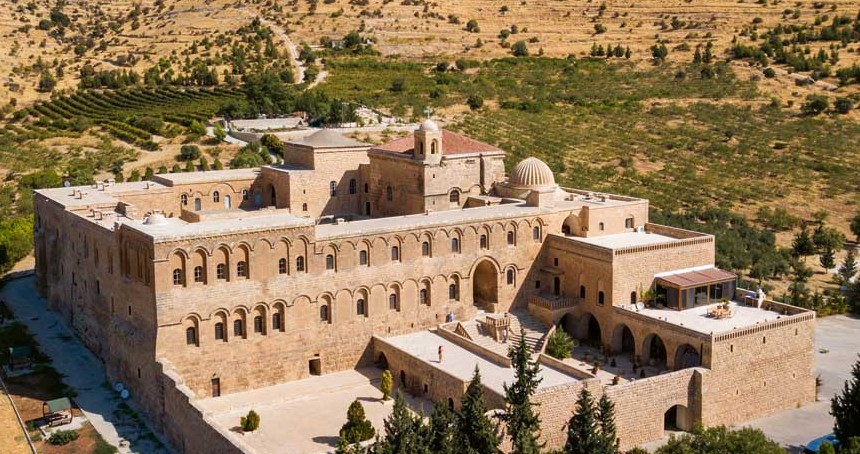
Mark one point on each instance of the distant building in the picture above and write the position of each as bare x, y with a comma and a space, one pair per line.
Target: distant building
200, 284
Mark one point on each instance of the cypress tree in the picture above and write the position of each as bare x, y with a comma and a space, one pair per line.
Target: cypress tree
402, 431
845, 408
475, 434
441, 430
582, 436
606, 422
520, 418
357, 428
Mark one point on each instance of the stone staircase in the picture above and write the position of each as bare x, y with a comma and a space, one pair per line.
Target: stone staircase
535, 333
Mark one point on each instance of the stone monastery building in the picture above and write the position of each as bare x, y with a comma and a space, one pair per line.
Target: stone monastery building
195, 285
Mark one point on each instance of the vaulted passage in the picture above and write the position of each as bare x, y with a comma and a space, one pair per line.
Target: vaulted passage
485, 285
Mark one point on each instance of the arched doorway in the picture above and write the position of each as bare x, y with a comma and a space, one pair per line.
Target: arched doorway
623, 340
568, 324
382, 361
273, 195
654, 351
485, 284
589, 331
687, 356
676, 419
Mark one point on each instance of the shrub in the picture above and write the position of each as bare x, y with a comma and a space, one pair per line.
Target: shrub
273, 144
189, 152
560, 344
63, 437
251, 422
769, 73
357, 428
520, 49
386, 384
197, 128
475, 101
814, 105
843, 105
472, 26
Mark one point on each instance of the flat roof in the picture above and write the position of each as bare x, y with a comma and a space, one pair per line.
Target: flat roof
175, 228
418, 221
697, 318
98, 194
461, 363
212, 176
627, 239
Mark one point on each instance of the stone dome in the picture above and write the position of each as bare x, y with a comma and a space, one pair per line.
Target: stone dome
531, 173
429, 126
155, 219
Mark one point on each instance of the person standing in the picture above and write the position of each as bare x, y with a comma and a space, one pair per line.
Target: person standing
440, 354
505, 335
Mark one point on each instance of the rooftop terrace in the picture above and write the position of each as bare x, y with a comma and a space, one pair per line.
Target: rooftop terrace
697, 318
459, 362
627, 239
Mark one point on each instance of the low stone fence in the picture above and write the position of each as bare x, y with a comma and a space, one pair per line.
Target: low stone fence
187, 426
563, 367
475, 348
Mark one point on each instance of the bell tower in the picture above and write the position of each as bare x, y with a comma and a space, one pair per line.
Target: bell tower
428, 143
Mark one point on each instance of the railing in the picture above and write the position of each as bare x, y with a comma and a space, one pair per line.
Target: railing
787, 320
554, 303
461, 331
496, 322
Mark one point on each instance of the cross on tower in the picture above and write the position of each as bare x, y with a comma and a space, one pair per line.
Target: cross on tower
428, 112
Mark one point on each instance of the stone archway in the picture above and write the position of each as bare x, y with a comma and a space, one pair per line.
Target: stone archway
485, 285
654, 351
589, 331
677, 418
687, 356
623, 341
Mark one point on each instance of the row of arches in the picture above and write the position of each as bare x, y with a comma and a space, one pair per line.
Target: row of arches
649, 347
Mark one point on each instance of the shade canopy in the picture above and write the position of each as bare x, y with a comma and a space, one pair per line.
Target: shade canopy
60, 404
700, 278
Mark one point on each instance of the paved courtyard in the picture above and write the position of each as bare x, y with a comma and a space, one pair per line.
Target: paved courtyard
305, 415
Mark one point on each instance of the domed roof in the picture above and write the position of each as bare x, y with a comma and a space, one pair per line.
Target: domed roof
531, 173
429, 126
155, 219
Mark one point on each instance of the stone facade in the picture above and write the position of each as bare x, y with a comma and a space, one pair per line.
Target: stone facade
245, 278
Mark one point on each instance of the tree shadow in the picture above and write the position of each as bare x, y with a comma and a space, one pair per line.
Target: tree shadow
327, 440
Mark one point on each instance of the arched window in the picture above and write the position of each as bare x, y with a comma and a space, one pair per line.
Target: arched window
511, 276
221, 271
453, 292
219, 331
244, 194
422, 297
304, 207
198, 205
389, 194
600, 226
276, 321
177, 276
238, 328
198, 274
329, 262
556, 286
433, 147
511, 238
362, 258
242, 269
536, 233
454, 197
600, 298
633, 297
392, 302
324, 313
191, 335
455, 245
483, 242
258, 324
359, 307
420, 149
628, 223
300, 263
582, 291
395, 254
216, 197
425, 249
332, 188
282, 266
352, 189
183, 199
228, 203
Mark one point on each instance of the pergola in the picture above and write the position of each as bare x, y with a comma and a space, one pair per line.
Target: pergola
696, 288
19, 357
57, 411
